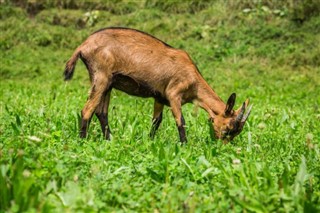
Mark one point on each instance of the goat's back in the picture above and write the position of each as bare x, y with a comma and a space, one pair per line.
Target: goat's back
139, 56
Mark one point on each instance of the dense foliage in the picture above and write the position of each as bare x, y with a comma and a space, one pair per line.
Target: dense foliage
265, 50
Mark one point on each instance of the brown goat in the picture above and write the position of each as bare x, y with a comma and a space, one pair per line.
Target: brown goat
142, 65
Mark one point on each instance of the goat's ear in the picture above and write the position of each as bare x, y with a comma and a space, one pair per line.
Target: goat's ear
230, 103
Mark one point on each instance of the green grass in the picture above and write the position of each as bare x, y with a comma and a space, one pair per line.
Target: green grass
273, 166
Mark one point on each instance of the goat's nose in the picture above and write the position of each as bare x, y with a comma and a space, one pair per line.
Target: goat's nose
225, 141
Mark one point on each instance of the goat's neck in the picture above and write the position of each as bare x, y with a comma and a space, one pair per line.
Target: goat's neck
209, 100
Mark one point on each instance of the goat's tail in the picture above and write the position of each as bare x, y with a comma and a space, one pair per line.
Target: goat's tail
70, 65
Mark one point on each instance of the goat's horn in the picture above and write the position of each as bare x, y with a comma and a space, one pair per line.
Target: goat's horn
245, 117
239, 117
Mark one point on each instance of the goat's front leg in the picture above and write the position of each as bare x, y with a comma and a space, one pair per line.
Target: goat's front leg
175, 105
99, 86
157, 118
102, 114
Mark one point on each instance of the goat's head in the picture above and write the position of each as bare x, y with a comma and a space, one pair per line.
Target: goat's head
229, 123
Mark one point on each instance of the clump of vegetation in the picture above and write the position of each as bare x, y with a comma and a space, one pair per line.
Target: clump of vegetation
265, 50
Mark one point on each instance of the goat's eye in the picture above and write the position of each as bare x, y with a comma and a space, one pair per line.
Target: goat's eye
226, 131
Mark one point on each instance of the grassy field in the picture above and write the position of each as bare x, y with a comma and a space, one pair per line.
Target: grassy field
264, 52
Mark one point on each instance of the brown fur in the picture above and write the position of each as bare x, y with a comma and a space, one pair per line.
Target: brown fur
142, 65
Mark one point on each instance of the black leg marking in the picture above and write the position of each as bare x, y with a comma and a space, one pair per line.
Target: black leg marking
104, 125
182, 134
83, 128
102, 114
182, 120
155, 125
182, 131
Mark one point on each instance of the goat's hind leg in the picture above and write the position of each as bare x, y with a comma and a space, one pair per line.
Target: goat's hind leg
175, 104
102, 114
100, 84
157, 118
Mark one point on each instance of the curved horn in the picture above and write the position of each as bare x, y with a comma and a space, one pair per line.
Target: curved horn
245, 117
240, 116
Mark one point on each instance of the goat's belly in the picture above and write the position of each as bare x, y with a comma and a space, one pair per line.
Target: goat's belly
136, 88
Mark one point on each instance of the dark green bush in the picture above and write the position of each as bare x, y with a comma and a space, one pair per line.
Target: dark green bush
113, 6
300, 11
177, 6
